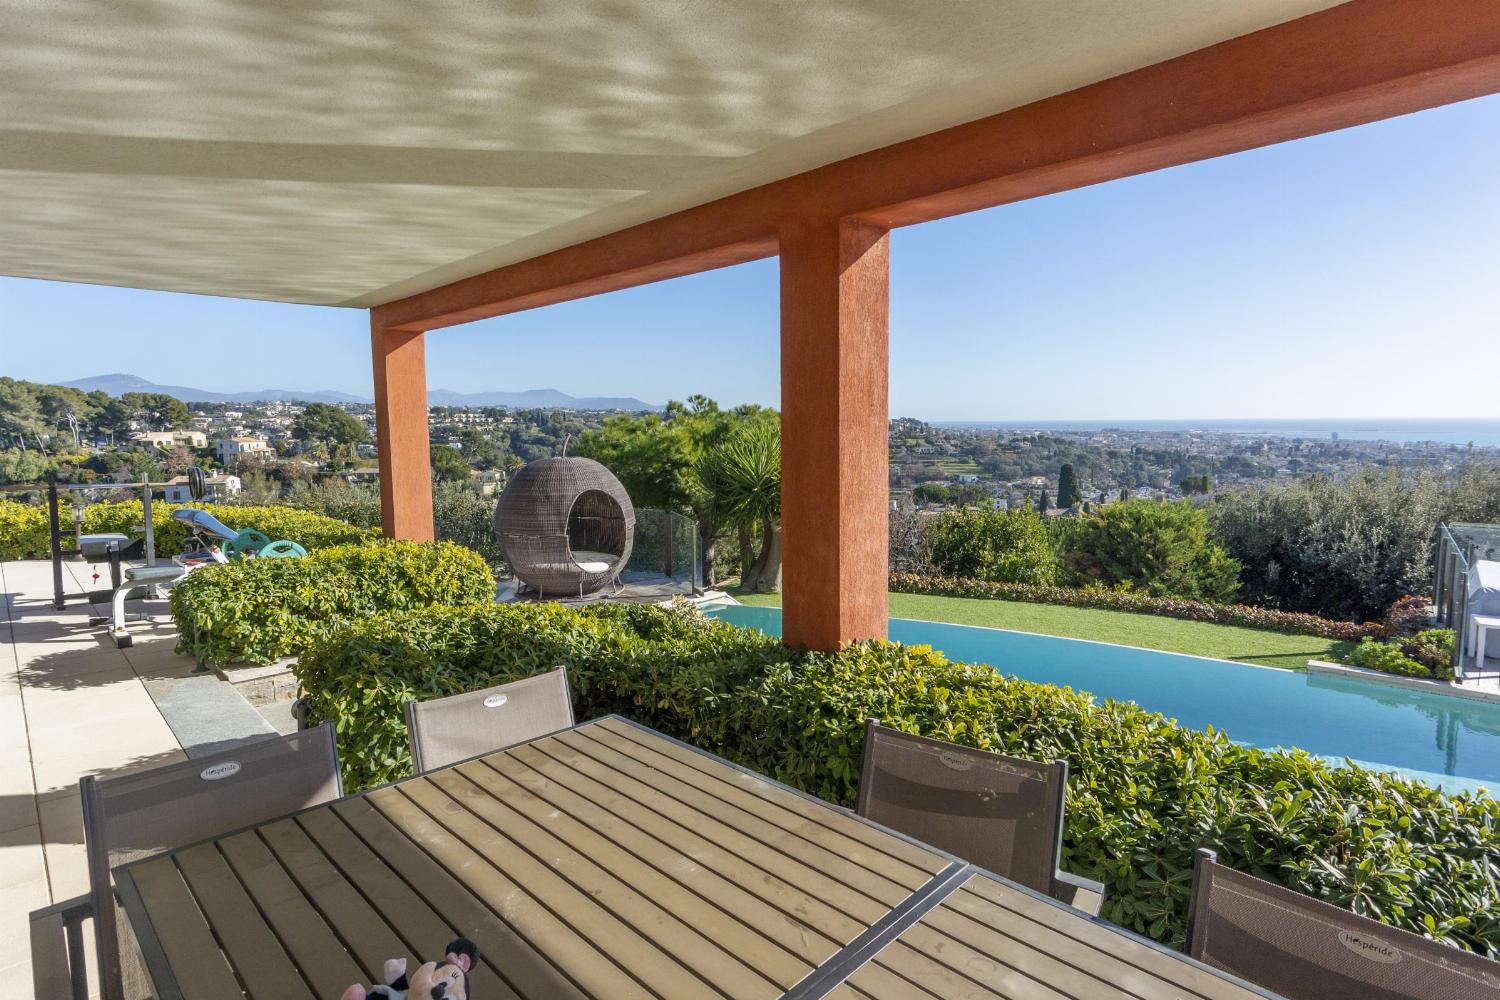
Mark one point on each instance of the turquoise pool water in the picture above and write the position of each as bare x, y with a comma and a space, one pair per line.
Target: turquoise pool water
1450, 742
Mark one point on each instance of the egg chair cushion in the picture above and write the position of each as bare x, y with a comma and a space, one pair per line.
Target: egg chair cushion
594, 562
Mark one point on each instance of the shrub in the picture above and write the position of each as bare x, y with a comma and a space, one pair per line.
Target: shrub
1143, 792
460, 513
23, 527
23, 531
1387, 658
1137, 603
1149, 545
1407, 615
258, 610
1339, 549
1428, 653
311, 531
1007, 546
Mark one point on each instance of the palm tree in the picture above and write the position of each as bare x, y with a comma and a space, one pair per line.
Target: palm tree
743, 475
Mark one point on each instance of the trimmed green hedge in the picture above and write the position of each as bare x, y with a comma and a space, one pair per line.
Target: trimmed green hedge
1143, 792
23, 531
1294, 622
258, 610
23, 527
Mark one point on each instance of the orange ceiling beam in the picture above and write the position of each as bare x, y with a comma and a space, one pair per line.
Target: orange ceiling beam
1359, 62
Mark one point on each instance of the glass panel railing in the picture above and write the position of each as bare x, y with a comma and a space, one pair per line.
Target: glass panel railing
666, 552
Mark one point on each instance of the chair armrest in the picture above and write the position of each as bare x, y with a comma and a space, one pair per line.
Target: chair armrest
57, 967
1078, 892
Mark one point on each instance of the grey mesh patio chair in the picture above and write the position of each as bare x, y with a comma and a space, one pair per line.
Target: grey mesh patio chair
132, 816
1000, 813
1306, 949
445, 731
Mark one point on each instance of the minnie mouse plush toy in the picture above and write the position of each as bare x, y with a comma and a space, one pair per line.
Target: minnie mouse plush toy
448, 980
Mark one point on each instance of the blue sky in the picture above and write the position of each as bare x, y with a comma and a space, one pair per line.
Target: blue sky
1355, 274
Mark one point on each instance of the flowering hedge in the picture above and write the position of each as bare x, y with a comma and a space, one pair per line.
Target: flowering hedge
1294, 622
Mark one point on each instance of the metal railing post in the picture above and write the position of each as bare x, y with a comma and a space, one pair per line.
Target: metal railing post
149, 526
1452, 575
1460, 623
666, 543
59, 599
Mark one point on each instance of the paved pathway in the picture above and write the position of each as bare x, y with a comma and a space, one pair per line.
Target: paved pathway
70, 704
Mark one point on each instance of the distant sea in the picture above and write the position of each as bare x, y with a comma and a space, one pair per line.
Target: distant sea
1483, 433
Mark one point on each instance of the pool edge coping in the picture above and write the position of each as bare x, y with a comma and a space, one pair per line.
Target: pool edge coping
1442, 688
1438, 689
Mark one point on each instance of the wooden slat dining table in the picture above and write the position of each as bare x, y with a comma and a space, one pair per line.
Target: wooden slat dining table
609, 861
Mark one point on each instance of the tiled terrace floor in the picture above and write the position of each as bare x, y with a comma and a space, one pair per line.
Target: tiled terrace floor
70, 704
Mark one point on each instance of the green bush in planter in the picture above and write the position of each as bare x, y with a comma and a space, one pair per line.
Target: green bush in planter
1143, 791
257, 610
1428, 653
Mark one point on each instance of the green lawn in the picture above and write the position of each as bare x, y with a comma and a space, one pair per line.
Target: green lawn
1222, 642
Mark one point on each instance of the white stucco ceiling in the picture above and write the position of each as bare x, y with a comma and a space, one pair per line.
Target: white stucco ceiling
351, 153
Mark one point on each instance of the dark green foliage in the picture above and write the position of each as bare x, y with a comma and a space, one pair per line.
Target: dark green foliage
258, 610
1142, 794
1347, 549
460, 513
1195, 484
1152, 546
1068, 492
448, 464
1006, 546
328, 426
962, 495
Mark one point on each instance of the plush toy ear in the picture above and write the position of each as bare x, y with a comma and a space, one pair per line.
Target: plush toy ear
463, 953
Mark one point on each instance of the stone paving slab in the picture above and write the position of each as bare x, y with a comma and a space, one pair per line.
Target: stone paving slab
70, 704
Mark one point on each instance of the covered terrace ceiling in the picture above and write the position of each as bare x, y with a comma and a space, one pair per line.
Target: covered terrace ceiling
355, 153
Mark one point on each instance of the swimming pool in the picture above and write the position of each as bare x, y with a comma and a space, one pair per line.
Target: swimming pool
1446, 741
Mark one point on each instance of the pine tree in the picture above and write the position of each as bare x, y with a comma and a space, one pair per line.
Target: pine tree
1068, 493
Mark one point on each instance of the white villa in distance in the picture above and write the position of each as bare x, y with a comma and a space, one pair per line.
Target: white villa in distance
166, 440
231, 449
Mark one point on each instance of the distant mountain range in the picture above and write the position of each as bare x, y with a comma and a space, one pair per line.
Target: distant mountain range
548, 399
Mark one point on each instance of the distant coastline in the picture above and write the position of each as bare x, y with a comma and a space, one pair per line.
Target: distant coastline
1460, 432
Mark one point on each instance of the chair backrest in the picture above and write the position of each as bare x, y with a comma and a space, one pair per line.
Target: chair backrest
998, 812
132, 816
1306, 949
445, 731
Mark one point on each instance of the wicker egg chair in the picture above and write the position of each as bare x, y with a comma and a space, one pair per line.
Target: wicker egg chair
566, 526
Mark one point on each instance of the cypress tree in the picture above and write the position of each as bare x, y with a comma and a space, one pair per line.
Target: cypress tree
1068, 493
1041, 503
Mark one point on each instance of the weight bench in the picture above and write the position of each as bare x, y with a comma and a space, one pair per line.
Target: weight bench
138, 578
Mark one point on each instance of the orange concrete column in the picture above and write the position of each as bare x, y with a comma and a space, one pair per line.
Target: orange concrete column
834, 415
401, 433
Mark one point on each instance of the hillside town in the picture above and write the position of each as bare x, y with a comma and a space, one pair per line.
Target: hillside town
935, 467
267, 446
